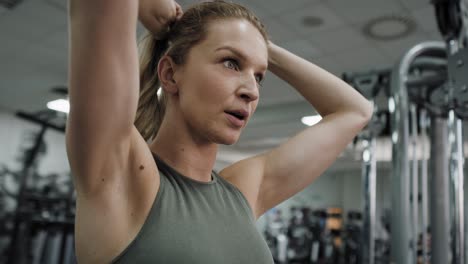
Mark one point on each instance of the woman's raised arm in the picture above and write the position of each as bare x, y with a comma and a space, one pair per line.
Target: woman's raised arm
275, 176
104, 83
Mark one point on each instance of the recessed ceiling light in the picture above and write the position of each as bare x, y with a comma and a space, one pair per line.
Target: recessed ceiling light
312, 21
311, 120
60, 105
389, 27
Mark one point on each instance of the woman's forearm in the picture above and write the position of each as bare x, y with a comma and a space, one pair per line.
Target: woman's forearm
327, 93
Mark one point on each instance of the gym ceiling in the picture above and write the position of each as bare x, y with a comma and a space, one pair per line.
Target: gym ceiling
338, 35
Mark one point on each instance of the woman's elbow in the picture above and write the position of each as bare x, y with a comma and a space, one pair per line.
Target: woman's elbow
366, 112
369, 111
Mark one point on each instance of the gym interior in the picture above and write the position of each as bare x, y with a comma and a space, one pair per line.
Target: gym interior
395, 195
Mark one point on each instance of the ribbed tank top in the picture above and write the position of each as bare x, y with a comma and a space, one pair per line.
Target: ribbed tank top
198, 223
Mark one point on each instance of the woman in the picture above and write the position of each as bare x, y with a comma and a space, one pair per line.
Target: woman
146, 193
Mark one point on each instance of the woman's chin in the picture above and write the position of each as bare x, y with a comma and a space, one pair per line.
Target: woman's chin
228, 139
229, 142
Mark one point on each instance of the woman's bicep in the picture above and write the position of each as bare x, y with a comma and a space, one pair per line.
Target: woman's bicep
103, 79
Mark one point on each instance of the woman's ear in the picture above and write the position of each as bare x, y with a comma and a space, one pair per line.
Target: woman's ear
166, 71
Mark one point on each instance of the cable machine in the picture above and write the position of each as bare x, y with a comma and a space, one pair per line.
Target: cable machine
446, 100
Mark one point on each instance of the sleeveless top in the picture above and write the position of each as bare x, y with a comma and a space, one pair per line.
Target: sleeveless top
198, 223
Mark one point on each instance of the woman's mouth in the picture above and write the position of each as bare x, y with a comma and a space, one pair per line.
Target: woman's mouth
235, 118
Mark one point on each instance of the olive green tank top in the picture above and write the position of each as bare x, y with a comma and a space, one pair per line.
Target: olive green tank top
198, 223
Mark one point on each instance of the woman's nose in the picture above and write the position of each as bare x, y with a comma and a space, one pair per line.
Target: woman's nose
249, 89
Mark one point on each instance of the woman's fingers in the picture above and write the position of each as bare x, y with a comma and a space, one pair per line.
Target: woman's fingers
158, 16
179, 11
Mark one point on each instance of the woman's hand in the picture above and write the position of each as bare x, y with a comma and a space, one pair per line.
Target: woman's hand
158, 15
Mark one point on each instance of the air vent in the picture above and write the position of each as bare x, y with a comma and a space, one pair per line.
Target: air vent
312, 21
391, 27
9, 4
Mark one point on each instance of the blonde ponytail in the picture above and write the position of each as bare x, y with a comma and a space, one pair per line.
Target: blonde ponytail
151, 107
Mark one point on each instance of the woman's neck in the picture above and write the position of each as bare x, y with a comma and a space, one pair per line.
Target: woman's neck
176, 147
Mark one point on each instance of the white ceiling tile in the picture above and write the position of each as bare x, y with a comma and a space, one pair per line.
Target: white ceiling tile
279, 32
363, 58
10, 47
59, 4
187, 3
294, 19
32, 21
48, 14
3, 10
358, 11
415, 4
396, 48
250, 4
302, 48
339, 39
253, 6
280, 6
435, 35
425, 18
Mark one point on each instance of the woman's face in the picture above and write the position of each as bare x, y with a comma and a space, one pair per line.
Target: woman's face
218, 86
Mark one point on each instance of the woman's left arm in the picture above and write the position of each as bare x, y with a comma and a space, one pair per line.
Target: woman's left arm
327, 93
286, 170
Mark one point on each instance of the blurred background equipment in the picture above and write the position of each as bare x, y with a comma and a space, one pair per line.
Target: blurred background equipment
38, 213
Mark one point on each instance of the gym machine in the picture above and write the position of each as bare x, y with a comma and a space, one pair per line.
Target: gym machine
308, 237
418, 84
452, 20
370, 85
40, 229
443, 95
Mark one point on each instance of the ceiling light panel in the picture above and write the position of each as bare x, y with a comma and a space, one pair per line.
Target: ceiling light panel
359, 11
279, 7
294, 19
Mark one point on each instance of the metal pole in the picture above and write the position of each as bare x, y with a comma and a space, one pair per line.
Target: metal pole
400, 217
456, 168
369, 173
398, 106
456, 187
461, 192
440, 213
424, 195
414, 176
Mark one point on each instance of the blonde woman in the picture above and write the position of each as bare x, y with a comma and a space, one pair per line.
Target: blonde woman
143, 163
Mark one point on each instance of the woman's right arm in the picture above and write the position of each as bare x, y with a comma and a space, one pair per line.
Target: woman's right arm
104, 84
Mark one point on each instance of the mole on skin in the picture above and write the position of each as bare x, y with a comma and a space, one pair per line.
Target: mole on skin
142, 167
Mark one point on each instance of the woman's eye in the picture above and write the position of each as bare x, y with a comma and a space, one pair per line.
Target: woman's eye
231, 64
